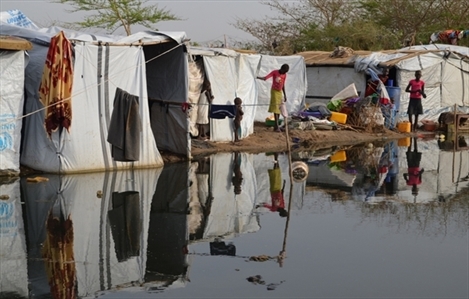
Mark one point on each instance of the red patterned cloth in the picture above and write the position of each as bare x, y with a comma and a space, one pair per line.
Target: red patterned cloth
55, 90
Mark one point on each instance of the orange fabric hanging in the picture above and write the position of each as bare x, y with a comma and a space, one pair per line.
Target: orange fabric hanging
56, 84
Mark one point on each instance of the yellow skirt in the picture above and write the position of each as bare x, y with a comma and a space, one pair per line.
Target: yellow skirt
276, 98
275, 179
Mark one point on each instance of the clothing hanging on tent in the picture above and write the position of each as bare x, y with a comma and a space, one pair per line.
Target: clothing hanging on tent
125, 127
55, 90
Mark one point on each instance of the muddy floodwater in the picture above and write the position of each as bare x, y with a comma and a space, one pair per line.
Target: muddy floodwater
386, 220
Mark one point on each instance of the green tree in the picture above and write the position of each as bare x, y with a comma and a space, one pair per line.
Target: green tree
359, 24
113, 14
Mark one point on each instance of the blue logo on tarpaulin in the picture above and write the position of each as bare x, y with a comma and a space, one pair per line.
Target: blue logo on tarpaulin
6, 210
6, 142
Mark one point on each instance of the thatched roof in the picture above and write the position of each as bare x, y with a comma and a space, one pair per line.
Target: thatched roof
322, 58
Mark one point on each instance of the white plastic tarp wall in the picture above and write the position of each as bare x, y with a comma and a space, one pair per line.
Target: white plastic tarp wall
12, 65
231, 213
94, 245
295, 87
86, 148
13, 257
231, 77
326, 81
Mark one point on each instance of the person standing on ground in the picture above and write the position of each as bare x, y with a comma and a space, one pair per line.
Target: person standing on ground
416, 89
205, 100
278, 87
238, 117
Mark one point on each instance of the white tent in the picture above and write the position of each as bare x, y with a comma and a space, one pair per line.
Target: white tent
445, 71
149, 65
233, 74
12, 66
13, 257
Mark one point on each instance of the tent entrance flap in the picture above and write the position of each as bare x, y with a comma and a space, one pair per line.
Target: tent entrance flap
167, 86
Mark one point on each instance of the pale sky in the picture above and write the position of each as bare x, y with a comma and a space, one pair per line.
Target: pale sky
205, 20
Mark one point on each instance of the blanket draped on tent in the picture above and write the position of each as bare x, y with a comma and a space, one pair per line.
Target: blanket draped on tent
56, 84
125, 127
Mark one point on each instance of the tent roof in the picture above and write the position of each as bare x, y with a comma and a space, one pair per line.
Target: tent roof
387, 57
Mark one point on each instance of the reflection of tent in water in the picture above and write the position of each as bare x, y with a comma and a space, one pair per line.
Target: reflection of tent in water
98, 243
231, 213
13, 258
167, 239
320, 174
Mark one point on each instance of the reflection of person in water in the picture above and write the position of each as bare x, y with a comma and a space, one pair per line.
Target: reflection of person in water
276, 190
388, 167
413, 177
237, 179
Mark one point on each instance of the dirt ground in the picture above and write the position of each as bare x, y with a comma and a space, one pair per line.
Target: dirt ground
264, 139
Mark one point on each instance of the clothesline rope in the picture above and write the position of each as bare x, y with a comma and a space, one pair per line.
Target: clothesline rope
88, 87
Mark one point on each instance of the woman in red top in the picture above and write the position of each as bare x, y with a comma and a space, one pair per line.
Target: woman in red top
278, 86
416, 89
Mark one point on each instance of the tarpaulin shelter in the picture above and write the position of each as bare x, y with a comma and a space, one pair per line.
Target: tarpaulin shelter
445, 71
13, 61
233, 74
149, 65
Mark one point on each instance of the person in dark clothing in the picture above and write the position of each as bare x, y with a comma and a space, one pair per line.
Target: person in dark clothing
237, 179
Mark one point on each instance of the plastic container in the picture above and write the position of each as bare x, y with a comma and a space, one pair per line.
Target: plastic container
339, 156
394, 95
404, 142
429, 125
300, 171
338, 117
271, 122
403, 127
390, 82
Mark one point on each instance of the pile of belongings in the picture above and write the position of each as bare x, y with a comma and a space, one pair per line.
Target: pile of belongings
360, 111
313, 117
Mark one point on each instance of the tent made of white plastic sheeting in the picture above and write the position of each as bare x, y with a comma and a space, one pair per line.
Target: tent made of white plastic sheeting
233, 74
110, 213
149, 65
231, 214
296, 83
13, 257
445, 71
12, 66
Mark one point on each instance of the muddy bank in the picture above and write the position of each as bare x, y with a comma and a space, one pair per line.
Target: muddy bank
265, 140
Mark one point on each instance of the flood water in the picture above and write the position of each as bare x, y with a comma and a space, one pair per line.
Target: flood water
356, 228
